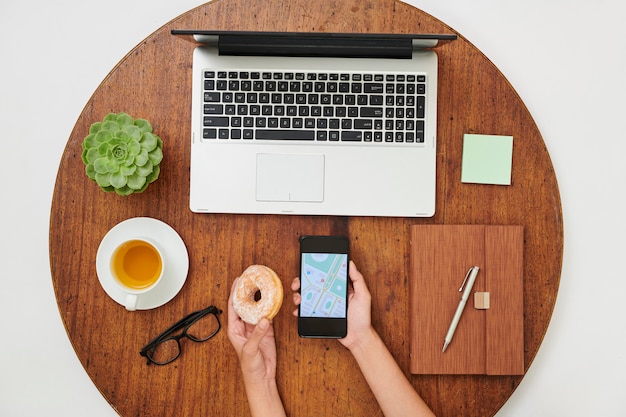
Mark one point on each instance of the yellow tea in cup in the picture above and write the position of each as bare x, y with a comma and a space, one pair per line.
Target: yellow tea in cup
137, 264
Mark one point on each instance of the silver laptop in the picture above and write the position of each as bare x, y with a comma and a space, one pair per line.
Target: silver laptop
314, 123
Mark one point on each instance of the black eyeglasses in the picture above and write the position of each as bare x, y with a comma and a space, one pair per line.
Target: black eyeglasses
199, 326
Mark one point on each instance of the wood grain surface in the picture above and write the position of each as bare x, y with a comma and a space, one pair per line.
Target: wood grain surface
315, 377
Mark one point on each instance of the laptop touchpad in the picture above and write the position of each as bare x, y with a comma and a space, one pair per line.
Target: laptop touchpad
289, 177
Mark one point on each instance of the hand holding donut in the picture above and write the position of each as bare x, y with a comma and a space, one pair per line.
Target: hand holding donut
255, 345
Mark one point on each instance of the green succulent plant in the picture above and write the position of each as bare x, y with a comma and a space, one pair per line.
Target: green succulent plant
122, 154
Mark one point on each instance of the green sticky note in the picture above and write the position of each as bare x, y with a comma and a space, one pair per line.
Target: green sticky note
487, 159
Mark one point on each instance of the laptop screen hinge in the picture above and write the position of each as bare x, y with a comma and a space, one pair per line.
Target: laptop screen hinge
315, 46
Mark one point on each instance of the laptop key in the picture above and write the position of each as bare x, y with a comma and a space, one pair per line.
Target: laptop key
419, 131
209, 133
421, 104
376, 88
352, 136
363, 124
211, 96
371, 112
213, 108
281, 134
376, 100
215, 121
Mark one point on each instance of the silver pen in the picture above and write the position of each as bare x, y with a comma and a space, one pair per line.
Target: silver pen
468, 283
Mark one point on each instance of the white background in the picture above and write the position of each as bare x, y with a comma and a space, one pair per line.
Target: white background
566, 59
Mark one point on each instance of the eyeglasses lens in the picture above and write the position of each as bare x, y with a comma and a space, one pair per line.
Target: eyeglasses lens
165, 351
204, 328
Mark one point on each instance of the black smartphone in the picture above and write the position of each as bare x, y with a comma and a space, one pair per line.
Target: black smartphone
323, 311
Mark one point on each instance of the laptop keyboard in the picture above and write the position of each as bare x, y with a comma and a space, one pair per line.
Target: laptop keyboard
314, 106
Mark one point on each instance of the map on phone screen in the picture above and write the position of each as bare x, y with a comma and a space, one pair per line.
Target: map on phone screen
324, 285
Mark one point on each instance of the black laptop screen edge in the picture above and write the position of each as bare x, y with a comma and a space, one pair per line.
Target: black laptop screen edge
384, 45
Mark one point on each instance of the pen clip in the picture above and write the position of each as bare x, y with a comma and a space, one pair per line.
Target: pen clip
469, 271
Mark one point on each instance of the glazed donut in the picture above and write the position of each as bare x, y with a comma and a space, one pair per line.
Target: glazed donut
257, 279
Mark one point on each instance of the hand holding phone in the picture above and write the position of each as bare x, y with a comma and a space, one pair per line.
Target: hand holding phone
359, 307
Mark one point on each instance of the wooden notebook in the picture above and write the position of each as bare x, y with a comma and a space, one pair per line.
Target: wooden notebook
487, 341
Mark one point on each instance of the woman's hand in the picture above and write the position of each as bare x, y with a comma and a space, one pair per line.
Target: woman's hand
255, 345
359, 308
256, 349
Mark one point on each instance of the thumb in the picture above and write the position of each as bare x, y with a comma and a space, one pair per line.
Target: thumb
358, 282
252, 345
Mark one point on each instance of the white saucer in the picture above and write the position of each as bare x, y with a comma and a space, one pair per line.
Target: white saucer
174, 251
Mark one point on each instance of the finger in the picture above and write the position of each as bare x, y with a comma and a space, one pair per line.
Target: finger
295, 284
297, 298
235, 328
358, 282
232, 314
252, 345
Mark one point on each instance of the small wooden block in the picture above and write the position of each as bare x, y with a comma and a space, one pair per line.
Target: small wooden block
481, 300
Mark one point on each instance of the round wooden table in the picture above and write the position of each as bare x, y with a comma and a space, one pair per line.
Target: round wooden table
315, 377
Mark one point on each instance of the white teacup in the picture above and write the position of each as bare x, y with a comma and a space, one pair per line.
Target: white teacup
137, 267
